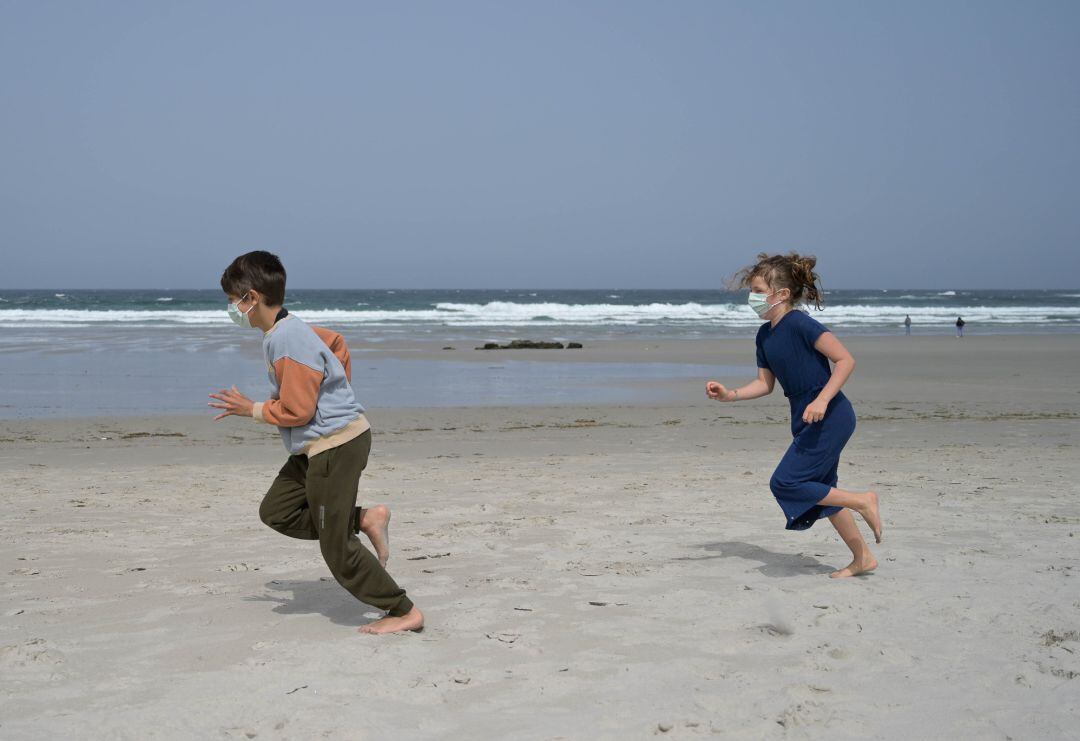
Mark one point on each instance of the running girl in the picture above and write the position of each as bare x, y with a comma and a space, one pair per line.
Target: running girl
795, 349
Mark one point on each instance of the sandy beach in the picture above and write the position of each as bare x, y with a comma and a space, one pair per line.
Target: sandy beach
586, 571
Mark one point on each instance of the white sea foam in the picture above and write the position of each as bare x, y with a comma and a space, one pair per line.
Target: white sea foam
512, 314
164, 299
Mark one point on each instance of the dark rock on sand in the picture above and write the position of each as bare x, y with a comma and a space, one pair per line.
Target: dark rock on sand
527, 345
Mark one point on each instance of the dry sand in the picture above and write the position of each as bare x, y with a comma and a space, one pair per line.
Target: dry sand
603, 572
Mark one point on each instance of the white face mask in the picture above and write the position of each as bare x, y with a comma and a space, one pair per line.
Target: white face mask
759, 302
241, 318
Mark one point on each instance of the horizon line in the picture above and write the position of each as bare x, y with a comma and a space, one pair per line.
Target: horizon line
534, 288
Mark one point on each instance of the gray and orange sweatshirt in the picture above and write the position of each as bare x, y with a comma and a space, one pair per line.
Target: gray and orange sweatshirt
312, 404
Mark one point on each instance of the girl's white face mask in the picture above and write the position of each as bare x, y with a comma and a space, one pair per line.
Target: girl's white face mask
759, 302
241, 318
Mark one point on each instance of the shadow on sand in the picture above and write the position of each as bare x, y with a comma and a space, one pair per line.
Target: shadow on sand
296, 597
776, 565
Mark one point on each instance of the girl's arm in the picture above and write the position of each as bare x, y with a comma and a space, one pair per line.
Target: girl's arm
843, 365
760, 386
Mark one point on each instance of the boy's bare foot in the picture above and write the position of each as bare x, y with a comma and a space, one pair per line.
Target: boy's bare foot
859, 566
412, 620
375, 524
872, 514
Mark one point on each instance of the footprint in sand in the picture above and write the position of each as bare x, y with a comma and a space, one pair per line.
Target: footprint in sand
808, 713
31, 657
772, 629
1053, 638
239, 567
504, 637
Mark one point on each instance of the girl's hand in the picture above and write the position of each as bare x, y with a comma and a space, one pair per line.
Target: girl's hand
716, 391
815, 411
233, 402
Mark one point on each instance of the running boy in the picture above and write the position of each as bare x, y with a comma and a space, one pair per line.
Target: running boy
327, 436
796, 349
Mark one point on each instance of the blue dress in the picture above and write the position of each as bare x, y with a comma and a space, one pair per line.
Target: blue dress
809, 467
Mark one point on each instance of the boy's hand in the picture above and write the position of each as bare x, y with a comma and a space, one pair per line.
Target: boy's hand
716, 391
233, 402
815, 411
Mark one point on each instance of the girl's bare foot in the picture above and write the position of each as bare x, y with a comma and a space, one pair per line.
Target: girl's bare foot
872, 514
375, 524
862, 565
412, 620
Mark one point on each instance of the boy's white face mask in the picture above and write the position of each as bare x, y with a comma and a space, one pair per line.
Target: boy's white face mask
241, 318
759, 302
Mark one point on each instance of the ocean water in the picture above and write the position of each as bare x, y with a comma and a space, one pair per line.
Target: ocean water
100, 353
614, 313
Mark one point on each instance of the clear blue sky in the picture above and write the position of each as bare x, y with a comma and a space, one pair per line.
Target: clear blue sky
542, 144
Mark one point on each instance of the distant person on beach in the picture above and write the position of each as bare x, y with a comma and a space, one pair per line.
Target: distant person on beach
960, 327
907, 324
327, 436
795, 349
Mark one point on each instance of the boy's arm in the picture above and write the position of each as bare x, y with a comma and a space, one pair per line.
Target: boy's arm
298, 395
337, 345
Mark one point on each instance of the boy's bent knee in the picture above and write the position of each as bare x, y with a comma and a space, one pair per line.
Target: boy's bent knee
266, 514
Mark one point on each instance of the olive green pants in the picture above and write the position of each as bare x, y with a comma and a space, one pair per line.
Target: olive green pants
315, 500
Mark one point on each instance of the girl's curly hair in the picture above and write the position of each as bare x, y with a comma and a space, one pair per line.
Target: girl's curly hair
792, 271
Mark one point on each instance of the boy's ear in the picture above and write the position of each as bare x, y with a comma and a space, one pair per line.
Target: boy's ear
255, 297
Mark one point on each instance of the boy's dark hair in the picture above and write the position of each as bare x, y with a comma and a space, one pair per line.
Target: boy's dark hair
259, 270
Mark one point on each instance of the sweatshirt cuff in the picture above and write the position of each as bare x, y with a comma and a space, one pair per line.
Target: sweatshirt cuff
257, 411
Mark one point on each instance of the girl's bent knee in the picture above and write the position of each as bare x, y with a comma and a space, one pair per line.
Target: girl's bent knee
779, 487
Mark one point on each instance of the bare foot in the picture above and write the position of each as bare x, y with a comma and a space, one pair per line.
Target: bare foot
872, 514
375, 523
413, 620
859, 566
